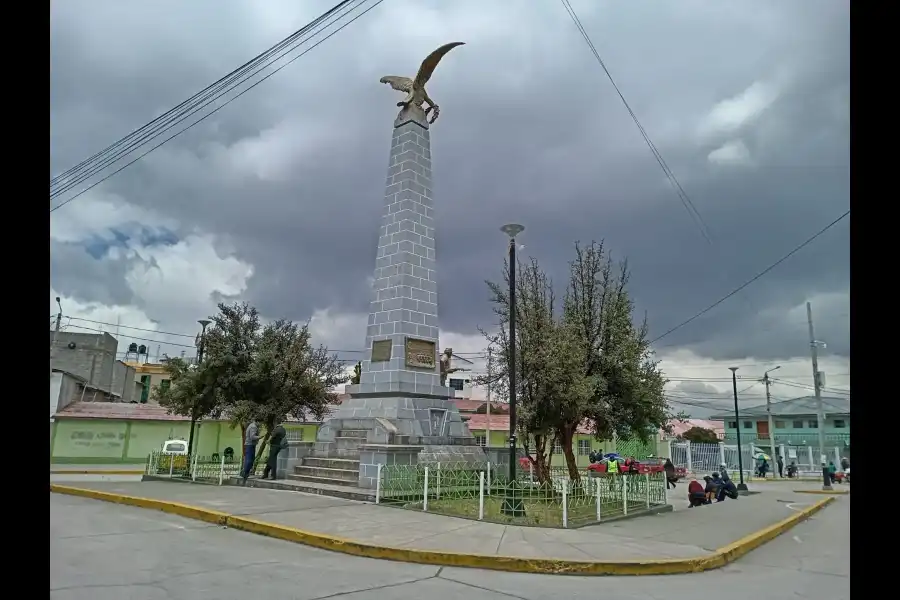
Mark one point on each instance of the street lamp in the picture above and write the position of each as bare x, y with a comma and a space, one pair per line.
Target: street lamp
512, 503
742, 487
203, 323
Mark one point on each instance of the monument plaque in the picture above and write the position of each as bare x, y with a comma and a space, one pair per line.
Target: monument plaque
381, 350
420, 353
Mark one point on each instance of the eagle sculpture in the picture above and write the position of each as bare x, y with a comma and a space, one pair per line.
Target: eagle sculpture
415, 88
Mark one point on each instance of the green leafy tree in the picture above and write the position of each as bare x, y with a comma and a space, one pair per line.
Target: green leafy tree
549, 360
588, 365
357, 373
700, 435
255, 372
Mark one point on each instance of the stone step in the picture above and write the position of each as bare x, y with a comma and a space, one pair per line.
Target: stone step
323, 489
358, 433
340, 453
348, 443
322, 480
327, 473
332, 463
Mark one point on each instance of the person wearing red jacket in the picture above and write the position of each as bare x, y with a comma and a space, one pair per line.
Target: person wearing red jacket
696, 494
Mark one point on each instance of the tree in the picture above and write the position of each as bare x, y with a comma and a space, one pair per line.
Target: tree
700, 435
255, 372
357, 373
588, 365
191, 391
549, 360
289, 377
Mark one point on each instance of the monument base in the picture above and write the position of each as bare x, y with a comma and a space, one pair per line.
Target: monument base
396, 430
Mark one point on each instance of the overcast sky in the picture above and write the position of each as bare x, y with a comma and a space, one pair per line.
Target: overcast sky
276, 198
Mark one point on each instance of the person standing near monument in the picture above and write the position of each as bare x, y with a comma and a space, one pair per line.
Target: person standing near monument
277, 443
251, 436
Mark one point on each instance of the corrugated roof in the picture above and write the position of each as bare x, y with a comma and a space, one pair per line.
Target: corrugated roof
501, 423
469, 405
126, 411
803, 406
679, 427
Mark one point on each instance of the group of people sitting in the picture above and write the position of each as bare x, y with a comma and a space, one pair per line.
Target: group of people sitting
715, 488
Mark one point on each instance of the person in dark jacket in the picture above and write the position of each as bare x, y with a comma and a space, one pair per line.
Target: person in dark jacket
277, 443
696, 494
671, 475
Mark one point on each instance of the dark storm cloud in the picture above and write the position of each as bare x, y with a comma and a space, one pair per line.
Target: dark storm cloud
531, 131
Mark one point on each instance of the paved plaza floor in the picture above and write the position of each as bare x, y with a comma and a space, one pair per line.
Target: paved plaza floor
681, 534
103, 551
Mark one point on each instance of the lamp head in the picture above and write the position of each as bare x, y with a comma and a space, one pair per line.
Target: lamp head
204, 322
733, 369
512, 229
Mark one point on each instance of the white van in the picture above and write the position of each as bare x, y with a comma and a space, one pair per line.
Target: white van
175, 447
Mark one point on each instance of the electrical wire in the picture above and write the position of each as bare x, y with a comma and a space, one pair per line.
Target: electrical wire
753, 279
682, 195
190, 102
217, 109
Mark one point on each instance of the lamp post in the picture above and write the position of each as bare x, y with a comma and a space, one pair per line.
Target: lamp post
512, 503
203, 323
742, 487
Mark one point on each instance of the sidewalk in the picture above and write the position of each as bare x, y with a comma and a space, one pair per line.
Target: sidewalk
684, 533
97, 469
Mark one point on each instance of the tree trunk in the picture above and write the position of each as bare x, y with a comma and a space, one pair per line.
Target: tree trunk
540, 463
262, 447
566, 436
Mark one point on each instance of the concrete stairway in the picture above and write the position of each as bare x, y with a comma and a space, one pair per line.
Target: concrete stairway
341, 467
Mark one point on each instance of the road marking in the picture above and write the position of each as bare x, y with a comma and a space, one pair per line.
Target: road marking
797, 539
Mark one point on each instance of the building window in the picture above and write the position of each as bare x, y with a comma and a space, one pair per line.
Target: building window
480, 440
797, 424
584, 447
779, 424
840, 424
457, 384
294, 435
164, 384
748, 424
732, 424
813, 424
557, 447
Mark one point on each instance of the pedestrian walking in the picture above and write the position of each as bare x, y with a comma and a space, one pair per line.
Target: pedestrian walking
780, 462
671, 476
277, 443
251, 436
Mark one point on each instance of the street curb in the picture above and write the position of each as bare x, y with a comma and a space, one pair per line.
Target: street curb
96, 471
824, 492
546, 566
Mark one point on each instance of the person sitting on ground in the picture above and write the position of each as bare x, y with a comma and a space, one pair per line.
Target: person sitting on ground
723, 473
725, 489
671, 475
712, 488
697, 495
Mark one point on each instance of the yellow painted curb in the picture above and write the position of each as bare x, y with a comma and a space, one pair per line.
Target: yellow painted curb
715, 560
824, 492
175, 508
96, 471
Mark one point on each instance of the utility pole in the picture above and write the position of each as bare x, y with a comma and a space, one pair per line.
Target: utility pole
55, 333
767, 381
490, 372
820, 407
742, 487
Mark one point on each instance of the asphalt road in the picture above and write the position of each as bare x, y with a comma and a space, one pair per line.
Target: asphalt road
101, 551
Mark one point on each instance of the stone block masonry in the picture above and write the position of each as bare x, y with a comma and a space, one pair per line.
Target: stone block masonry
405, 300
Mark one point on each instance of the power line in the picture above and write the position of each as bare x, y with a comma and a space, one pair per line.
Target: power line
753, 279
217, 109
682, 195
190, 102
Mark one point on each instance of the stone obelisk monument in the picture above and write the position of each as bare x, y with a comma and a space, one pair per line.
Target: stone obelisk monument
400, 404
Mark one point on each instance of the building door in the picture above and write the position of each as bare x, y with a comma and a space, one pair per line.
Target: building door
762, 429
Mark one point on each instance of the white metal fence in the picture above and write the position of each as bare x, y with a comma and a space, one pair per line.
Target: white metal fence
705, 458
